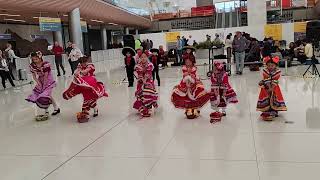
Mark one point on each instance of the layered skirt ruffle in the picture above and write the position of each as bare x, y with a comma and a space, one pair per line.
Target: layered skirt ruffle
193, 97
146, 97
41, 96
271, 102
88, 86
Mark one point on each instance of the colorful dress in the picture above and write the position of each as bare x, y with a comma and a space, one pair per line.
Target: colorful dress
270, 102
221, 91
41, 94
146, 94
190, 93
88, 86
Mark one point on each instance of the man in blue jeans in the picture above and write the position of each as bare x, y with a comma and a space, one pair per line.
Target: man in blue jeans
179, 49
240, 44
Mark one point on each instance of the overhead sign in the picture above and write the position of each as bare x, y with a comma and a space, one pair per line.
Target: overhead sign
274, 31
84, 26
49, 24
5, 36
35, 36
172, 36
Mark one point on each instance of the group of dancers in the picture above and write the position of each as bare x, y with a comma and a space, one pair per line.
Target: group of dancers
190, 94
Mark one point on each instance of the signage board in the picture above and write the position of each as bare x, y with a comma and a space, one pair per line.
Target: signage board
84, 27
274, 31
49, 24
5, 36
172, 36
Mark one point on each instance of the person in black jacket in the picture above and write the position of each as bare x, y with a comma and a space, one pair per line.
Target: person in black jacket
155, 59
130, 63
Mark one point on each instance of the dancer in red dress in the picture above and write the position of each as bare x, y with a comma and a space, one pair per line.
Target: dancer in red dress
188, 54
270, 98
190, 93
85, 83
146, 93
221, 92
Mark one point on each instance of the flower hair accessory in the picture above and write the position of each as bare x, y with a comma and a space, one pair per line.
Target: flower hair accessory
275, 59
219, 66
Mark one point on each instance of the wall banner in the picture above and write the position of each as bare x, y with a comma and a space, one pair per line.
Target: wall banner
172, 36
274, 31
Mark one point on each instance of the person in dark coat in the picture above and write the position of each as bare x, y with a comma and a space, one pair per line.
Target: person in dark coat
155, 59
130, 63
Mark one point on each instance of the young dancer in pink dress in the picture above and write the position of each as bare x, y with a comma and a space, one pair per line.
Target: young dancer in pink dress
42, 92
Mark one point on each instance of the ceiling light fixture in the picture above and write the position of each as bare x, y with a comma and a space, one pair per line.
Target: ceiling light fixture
16, 20
11, 15
94, 20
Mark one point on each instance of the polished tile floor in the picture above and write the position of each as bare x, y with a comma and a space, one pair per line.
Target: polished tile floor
118, 145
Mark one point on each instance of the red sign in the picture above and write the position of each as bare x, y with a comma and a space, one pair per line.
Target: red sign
286, 3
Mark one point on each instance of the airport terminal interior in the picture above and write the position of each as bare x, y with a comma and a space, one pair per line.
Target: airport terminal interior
159, 90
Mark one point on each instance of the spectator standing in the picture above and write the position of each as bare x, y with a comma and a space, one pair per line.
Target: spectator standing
68, 51
4, 71
217, 38
12, 60
195, 43
179, 48
148, 47
240, 44
228, 46
151, 44
58, 51
74, 56
190, 41
137, 44
308, 51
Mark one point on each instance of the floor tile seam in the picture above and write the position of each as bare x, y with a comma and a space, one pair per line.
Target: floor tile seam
253, 132
208, 159
160, 154
289, 162
282, 132
87, 146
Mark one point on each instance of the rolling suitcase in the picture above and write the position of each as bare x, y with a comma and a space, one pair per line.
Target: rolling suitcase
22, 73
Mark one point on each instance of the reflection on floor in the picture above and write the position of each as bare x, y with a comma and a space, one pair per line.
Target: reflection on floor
118, 145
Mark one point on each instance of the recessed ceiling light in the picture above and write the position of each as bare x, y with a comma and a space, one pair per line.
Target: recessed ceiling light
16, 20
10, 15
94, 20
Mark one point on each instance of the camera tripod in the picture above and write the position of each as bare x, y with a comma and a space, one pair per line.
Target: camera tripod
314, 70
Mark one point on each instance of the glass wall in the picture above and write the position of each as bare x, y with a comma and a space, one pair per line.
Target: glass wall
227, 6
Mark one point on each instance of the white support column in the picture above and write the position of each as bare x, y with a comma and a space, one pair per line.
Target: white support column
104, 38
75, 28
257, 12
126, 30
137, 31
